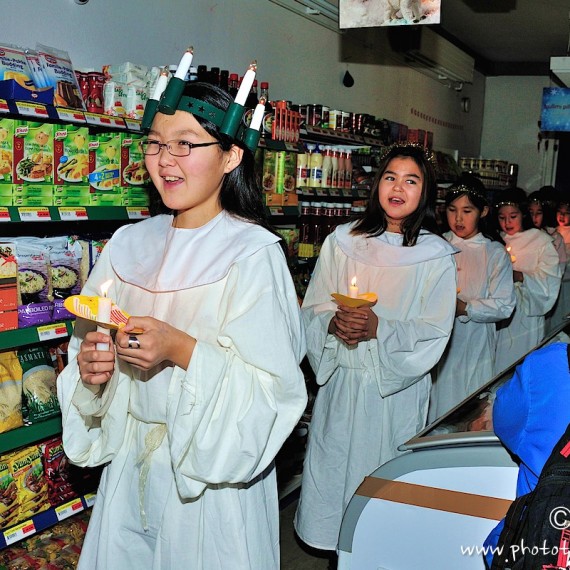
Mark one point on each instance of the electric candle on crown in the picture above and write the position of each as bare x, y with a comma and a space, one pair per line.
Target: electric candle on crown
152, 103
173, 92
253, 132
104, 306
234, 114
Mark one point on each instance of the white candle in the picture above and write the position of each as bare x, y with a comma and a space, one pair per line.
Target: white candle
184, 64
104, 305
161, 83
246, 84
353, 289
258, 115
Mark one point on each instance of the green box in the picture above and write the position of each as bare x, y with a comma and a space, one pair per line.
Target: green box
33, 152
30, 190
6, 149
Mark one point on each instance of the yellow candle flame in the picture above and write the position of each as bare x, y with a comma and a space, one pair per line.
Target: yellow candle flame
105, 287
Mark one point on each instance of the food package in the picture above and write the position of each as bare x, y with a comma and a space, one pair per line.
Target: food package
104, 161
33, 152
10, 391
58, 70
8, 496
6, 149
65, 279
8, 277
14, 65
133, 169
71, 154
56, 470
39, 384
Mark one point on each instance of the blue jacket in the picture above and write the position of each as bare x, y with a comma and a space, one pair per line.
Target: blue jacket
530, 414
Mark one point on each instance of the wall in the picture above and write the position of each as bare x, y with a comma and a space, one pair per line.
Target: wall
510, 128
302, 61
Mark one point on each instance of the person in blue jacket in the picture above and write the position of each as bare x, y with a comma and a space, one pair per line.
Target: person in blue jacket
530, 414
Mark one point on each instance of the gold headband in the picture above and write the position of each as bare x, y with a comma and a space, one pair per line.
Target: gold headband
428, 154
506, 203
462, 188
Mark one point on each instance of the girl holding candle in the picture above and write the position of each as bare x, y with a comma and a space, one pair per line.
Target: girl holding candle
486, 296
372, 363
189, 414
536, 274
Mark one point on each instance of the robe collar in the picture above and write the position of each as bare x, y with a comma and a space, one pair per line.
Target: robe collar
386, 250
461, 243
158, 257
531, 237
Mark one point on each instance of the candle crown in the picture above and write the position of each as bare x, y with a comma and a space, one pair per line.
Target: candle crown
230, 121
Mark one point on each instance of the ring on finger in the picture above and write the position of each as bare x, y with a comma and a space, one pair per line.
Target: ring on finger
134, 341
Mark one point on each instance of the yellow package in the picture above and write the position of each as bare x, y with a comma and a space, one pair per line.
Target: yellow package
10, 391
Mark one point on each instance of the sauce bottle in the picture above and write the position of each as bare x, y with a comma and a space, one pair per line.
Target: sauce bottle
326, 178
316, 168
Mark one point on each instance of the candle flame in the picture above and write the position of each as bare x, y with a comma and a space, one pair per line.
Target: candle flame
509, 249
105, 287
353, 282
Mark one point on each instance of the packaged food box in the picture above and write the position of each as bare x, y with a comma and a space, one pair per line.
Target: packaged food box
33, 152
133, 169
71, 154
8, 278
6, 149
25, 200
105, 199
29, 190
72, 200
6, 189
71, 190
104, 161
269, 170
286, 172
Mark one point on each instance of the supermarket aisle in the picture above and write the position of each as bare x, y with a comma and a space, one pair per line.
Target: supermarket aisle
294, 554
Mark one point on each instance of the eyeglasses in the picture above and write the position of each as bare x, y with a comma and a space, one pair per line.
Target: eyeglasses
175, 148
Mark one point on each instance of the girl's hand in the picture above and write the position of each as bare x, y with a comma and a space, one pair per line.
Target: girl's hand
159, 342
518, 276
96, 366
353, 325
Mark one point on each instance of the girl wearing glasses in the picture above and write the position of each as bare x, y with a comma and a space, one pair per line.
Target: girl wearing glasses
196, 394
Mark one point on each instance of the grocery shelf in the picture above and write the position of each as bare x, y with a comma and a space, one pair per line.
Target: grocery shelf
44, 520
71, 213
27, 435
31, 335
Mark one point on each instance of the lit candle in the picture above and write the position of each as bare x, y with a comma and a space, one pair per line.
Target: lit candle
258, 115
353, 289
246, 84
184, 64
513, 257
161, 83
104, 305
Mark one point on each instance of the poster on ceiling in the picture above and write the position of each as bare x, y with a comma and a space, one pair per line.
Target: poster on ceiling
372, 13
555, 114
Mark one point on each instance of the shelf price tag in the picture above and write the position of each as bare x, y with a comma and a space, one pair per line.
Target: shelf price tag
72, 213
19, 532
276, 210
104, 120
5, 215
137, 213
71, 115
51, 331
68, 509
334, 191
89, 499
34, 214
132, 124
4, 108
31, 109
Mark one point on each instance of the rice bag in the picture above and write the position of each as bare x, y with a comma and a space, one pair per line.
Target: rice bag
10, 391
65, 279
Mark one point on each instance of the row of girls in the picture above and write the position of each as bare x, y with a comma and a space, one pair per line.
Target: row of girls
453, 310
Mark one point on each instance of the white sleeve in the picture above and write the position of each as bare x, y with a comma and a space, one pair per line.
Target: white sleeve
242, 396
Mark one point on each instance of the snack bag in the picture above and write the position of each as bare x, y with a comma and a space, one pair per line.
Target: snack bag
10, 391
14, 65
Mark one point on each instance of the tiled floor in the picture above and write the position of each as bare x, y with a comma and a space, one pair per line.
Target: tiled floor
295, 555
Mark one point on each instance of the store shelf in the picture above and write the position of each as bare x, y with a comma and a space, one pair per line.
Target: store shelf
27, 435
31, 335
341, 138
71, 214
44, 520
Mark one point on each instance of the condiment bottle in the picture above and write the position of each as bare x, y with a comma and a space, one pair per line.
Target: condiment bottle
316, 168
326, 177
302, 169
348, 170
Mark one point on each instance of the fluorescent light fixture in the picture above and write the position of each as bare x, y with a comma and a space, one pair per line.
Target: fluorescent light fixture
321, 12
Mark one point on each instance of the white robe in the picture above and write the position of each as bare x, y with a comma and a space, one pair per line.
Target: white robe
535, 256
373, 396
210, 496
485, 283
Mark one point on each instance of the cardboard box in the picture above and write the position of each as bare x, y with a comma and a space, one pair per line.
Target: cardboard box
68, 190
30, 190
8, 279
8, 320
6, 149
71, 154
133, 169
104, 162
11, 89
33, 152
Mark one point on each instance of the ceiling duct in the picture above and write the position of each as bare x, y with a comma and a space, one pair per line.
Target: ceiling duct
560, 66
428, 52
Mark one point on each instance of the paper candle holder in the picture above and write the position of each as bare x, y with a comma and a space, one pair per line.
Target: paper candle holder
363, 300
86, 307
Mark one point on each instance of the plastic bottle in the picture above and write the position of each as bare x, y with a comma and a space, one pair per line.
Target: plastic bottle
316, 168
330, 220
341, 168
302, 169
233, 85
326, 179
267, 122
348, 170
334, 167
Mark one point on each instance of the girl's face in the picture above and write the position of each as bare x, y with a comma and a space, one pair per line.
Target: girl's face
189, 185
510, 219
399, 191
536, 214
463, 217
563, 215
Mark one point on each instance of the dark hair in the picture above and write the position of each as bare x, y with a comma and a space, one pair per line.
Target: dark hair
517, 197
373, 221
241, 194
548, 209
469, 185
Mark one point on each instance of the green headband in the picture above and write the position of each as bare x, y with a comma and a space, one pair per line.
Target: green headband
229, 122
